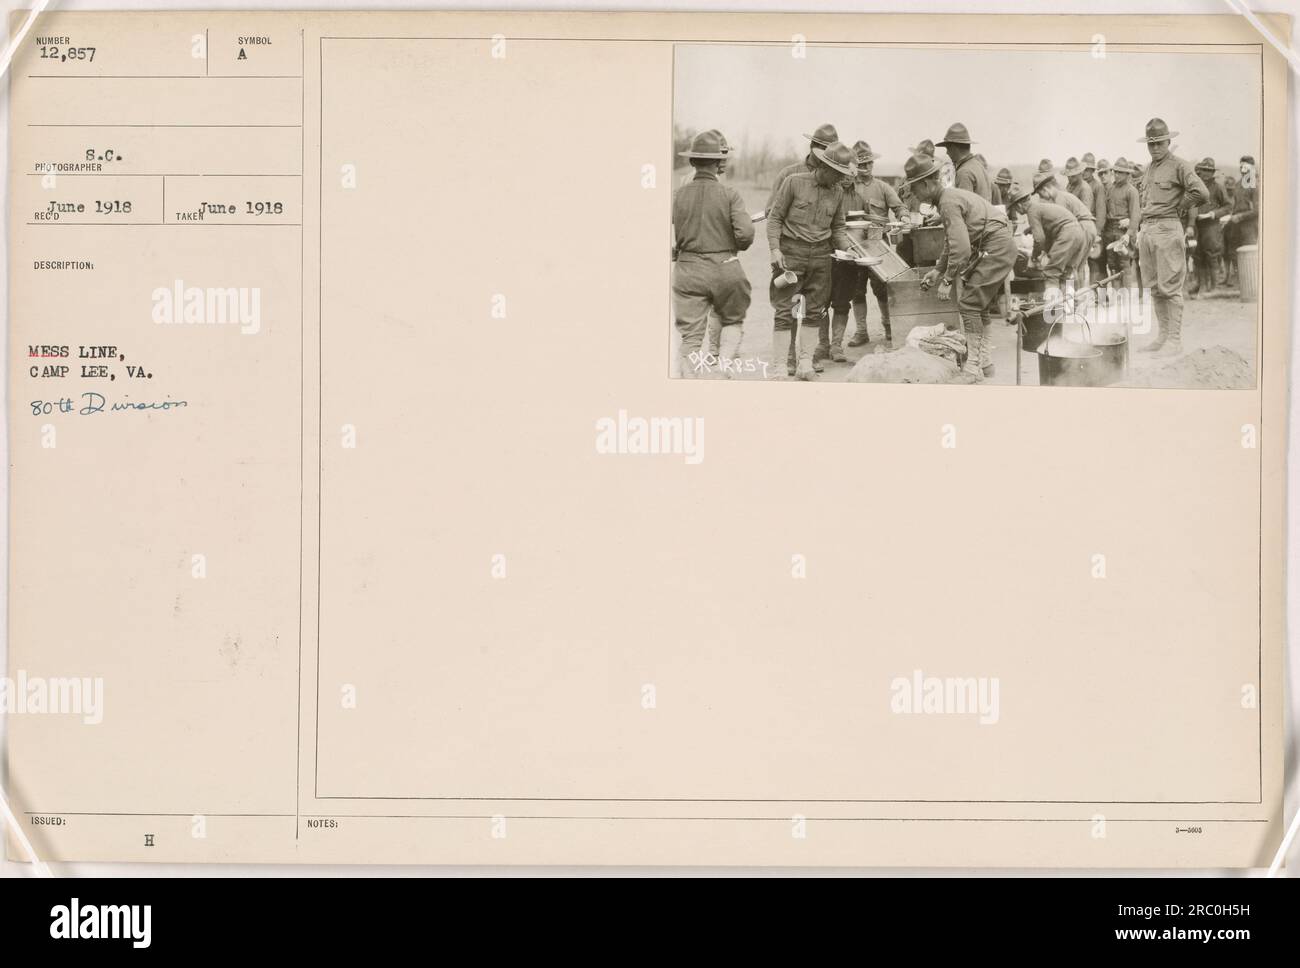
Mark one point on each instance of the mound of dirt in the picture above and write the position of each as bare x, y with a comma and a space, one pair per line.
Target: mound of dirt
1214, 367
907, 365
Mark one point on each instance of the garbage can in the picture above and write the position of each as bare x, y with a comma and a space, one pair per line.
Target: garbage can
1248, 271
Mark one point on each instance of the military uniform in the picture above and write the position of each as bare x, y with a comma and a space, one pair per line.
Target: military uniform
848, 281
710, 228
1100, 195
1171, 187
1243, 225
978, 249
972, 176
1105, 176
783, 321
1083, 215
967, 173
1245, 216
1002, 186
1058, 235
805, 224
978, 253
1074, 173
1204, 218
798, 168
1122, 203
1139, 182
824, 135
1081, 190
999, 187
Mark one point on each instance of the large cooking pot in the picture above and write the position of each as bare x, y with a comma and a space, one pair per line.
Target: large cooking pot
1113, 364
1062, 363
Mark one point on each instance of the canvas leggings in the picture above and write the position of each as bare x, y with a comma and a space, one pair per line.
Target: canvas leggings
1162, 256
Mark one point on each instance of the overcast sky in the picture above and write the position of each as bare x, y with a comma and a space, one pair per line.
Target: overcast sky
1019, 105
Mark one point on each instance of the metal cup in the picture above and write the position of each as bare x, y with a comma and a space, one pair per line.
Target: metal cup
785, 279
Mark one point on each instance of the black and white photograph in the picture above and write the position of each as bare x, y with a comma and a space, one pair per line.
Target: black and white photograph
1018, 215
354, 539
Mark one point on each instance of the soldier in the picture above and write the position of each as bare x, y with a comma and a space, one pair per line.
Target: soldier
689, 176
804, 225
1075, 184
1229, 233
1242, 224
1230, 187
969, 172
925, 147
1207, 227
1058, 238
1020, 232
1090, 177
1045, 167
1171, 187
713, 337
1001, 185
1047, 188
1051, 214
978, 249
1105, 176
1123, 218
710, 228
848, 282
879, 200
1096, 263
821, 137
1080, 189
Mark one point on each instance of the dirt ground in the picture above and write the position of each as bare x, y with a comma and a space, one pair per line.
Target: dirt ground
1209, 323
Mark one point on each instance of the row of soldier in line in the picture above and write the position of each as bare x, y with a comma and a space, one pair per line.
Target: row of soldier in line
1095, 222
